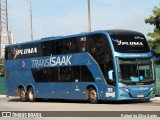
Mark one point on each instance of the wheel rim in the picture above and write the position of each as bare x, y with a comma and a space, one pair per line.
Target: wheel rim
93, 95
31, 96
22, 94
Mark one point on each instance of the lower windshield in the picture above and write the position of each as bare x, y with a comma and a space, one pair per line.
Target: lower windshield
133, 71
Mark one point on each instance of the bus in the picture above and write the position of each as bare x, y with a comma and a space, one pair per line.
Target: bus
94, 66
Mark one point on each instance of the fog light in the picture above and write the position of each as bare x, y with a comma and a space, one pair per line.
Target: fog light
121, 96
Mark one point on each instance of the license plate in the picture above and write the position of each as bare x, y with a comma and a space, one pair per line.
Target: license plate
139, 96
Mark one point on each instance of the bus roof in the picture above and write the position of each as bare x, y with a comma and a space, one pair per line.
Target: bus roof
111, 32
123, 32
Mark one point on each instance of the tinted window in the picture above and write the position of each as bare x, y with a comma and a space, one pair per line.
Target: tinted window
66, 74
48, 48
97, 45
100, 49
73, 46
86, 75
23, 51
66, 46
62, 74
130, 43
44, 74
38, 74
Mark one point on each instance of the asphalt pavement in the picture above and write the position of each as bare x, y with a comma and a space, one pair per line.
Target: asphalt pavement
155, 100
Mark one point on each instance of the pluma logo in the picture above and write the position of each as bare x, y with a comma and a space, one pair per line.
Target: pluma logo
119, 42
15, 53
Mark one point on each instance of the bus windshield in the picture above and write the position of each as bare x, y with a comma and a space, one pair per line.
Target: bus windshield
135, 71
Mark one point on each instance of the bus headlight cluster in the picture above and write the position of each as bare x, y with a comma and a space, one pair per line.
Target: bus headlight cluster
152, 88
124, 89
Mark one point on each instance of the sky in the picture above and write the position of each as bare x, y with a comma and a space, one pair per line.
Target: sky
68, 17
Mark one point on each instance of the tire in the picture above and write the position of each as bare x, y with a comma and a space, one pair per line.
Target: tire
23, 95
92, 96
31, 96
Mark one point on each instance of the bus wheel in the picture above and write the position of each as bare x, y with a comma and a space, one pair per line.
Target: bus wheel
22, 95
93, 98
31, 95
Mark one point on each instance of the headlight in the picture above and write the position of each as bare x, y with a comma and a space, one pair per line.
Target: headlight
124, 89
152, 88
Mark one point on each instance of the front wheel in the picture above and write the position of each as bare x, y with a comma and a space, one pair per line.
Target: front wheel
92, 96
22, 95
30, 94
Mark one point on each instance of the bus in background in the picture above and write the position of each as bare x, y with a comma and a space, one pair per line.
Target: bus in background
100, 65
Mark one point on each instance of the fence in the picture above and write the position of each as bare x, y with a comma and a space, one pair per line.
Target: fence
2, 86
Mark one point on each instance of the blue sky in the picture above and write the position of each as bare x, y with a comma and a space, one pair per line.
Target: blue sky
66, 17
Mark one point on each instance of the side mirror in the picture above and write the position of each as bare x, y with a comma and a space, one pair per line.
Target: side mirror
110, 74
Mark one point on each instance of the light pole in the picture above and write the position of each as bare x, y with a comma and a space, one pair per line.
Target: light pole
30, 2
31, 20
89, 17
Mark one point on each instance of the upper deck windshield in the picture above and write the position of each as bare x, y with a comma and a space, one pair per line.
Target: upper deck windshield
133, 71
130, 43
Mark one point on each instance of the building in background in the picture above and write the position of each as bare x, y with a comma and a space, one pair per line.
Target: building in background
5, 36
4, 42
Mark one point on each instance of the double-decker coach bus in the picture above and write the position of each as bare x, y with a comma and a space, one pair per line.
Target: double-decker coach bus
101, 65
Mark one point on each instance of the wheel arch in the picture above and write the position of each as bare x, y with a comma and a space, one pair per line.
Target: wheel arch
21, 86
30, 86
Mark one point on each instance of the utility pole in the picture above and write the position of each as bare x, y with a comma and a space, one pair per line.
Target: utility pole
4, 34
89, 17
31, 19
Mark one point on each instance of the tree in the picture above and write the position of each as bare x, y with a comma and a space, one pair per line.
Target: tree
154, 20
155, 43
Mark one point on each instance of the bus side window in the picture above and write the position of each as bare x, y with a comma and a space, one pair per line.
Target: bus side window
73, 47
10, 53
66, 74
101, 49
79, 44
6, 54
76, 73
62, 47
50, 75
65, 46
48, 48
37, 74
86, 75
